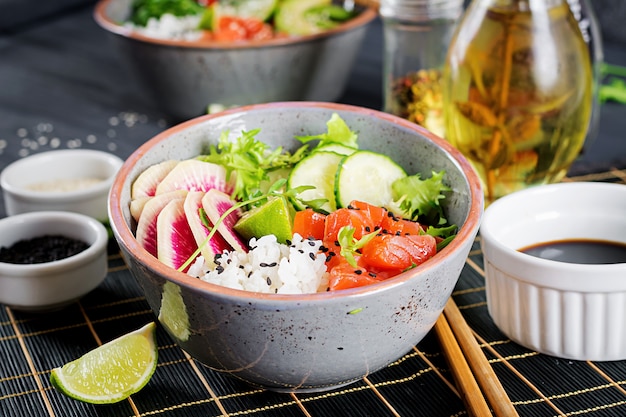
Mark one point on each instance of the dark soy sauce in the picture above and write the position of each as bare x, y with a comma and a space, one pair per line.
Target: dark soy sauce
580, 251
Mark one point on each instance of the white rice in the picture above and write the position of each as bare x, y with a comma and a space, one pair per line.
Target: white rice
171, 27
269, 267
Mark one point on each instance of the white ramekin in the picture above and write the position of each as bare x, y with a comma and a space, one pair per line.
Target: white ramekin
567, 310
65, 164
52, 285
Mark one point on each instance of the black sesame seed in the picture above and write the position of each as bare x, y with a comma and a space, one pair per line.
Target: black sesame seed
372, 274
312, 243
269, 281
358, 271
42, 249
368, 229
312, 256
219, 269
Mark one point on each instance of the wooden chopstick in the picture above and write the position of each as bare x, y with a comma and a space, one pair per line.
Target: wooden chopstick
481, 369
469, 390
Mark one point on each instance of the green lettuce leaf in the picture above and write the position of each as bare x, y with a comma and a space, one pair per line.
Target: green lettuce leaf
338, 132
419, 199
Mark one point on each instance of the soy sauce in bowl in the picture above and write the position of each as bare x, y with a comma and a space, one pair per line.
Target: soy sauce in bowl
579, 251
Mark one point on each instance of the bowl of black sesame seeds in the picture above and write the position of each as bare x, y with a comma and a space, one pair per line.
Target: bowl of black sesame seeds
50, 259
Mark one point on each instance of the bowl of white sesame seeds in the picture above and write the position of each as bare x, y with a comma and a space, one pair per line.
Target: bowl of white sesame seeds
75, 180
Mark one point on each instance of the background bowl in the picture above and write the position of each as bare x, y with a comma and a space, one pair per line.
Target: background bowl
26, 182
185, 78
568, 310
302, 342
52, 285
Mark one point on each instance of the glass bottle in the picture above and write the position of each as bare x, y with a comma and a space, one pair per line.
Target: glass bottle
416, 37
518, 92
590, 28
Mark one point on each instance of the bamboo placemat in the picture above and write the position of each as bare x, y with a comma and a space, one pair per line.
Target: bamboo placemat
418, 384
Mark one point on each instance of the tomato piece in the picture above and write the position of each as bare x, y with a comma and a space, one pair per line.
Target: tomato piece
257, 29
345, 217
345, 276
233, 28
309, 223
375, 213
398, 252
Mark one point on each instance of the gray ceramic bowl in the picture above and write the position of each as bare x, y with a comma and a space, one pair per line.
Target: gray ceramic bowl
185, 78
302, 342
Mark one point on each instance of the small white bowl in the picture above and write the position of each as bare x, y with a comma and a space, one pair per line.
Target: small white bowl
52, 285
76, 180
568, 310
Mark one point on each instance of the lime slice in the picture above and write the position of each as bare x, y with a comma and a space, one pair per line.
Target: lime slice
271, 218
111, 372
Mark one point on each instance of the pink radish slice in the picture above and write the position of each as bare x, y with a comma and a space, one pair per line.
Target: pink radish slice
146, 233
137, 205
195, 175
215, 203
217, 244
146, 183
175, 241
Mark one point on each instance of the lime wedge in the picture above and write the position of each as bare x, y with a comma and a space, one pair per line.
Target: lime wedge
271, 218
111, 372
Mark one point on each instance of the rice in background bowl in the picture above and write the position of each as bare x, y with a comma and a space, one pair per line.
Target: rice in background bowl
309, 342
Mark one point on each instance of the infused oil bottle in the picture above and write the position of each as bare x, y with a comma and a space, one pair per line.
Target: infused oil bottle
517, 92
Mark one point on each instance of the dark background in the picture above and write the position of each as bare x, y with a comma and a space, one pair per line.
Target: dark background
62, 84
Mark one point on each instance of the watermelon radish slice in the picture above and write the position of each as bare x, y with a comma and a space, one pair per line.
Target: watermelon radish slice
137, 205
175, 241
146, 233
195, 175
215, 203
146, 183
217, 244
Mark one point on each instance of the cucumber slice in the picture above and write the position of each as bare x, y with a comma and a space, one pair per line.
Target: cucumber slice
293, 17
319, 170
366, 176
337, 148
